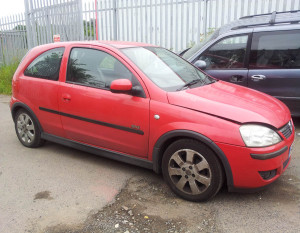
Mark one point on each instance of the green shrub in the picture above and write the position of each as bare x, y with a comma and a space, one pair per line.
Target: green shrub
6, 74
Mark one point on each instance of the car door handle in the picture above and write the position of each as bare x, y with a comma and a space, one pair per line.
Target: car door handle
236, 78
66, 97
258, 77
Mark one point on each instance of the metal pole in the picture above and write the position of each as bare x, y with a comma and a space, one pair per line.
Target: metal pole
115, 20
80, 17
28, 25
205, 17
33, 24
1, 52
96, 15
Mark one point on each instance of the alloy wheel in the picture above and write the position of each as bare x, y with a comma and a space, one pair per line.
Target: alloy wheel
25, 128
189, 171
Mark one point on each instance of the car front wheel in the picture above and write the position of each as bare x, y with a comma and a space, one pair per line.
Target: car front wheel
192, 170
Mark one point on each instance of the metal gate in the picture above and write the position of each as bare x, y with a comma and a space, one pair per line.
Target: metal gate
45, 18
13, 40
174, 24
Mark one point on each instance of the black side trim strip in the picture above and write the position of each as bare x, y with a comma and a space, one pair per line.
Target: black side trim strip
140, 132
269, 155
286, 162
99, 151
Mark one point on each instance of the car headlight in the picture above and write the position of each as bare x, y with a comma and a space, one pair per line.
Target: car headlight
259, 136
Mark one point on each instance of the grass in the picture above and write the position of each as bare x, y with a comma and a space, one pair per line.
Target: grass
6, 74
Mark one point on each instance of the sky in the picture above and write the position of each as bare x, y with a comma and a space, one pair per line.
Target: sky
11, 7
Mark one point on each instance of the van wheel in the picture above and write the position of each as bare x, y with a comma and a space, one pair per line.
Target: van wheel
192, 170
27, 129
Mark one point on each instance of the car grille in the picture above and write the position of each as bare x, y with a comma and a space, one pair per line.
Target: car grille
287, 130
267, 175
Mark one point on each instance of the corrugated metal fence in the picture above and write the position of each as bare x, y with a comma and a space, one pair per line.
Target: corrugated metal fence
174, 24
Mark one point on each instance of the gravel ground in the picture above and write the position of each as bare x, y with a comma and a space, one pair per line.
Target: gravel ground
84, 193
147, 205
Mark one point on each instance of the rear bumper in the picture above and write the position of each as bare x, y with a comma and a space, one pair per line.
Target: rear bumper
253, 168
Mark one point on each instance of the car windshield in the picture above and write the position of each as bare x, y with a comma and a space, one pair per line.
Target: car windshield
190, 52
167, 70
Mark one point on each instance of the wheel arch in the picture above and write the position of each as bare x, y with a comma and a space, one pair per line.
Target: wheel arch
165, 140
17, 106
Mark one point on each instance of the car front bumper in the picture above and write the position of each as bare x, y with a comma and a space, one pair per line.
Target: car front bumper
257, 167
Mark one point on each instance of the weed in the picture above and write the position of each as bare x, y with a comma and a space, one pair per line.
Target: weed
6, 74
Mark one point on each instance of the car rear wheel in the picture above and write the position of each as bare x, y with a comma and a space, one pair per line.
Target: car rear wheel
27, 129
192, 170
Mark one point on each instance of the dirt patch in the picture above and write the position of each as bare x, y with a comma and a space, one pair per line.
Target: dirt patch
147, 206
43, 195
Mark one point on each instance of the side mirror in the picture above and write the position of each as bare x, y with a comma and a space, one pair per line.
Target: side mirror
121, 86
200, 64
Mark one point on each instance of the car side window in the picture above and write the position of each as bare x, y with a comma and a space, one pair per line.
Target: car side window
95, 68
228, 53
275, 50
46, 65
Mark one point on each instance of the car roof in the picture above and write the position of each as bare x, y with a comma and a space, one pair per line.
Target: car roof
124, 44
114, 44
287, 18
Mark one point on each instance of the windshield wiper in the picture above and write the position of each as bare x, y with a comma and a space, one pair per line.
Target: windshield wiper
183, 52
190, 83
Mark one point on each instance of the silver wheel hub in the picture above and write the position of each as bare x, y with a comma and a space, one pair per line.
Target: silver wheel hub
25, 128
189, 171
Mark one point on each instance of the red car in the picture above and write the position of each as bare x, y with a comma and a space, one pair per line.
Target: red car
144, 105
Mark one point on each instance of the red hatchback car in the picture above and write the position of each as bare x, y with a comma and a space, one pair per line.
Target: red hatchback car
146, 106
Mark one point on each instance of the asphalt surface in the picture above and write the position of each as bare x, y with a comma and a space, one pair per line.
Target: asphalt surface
51, 184
59, 189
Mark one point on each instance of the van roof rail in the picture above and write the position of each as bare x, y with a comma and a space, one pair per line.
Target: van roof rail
257, 15
247, 21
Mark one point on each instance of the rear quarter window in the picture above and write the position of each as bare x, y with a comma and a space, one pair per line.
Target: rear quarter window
275, 50
46, 65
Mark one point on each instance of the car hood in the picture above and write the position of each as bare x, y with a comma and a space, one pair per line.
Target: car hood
233, 102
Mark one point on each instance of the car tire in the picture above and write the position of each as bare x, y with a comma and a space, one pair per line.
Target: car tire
192, 170
27, 129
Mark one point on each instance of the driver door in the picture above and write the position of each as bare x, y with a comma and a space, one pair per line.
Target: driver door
92, 114
226, 59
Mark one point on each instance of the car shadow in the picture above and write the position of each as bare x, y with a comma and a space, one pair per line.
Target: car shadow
88, 158
275, 191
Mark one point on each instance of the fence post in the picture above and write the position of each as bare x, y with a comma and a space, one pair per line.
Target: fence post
1, 52
48, 27
96, 19
28, 26
80, 15
115, 20
205, 17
